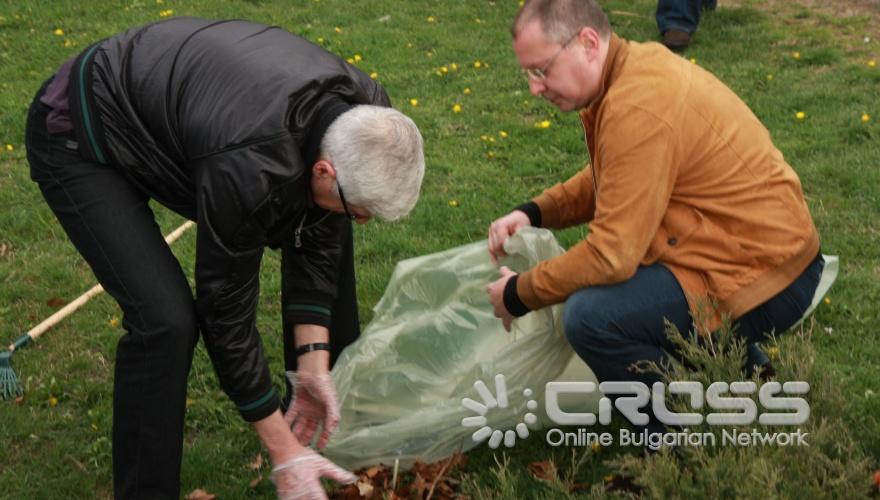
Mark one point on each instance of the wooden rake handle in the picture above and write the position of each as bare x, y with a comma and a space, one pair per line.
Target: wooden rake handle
82, 299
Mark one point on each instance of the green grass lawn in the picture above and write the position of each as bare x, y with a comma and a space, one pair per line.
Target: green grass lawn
450, 67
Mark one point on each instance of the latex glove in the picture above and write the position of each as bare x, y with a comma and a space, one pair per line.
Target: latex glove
313, 403
300, 477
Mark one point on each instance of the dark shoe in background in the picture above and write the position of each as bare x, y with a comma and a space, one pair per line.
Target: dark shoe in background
676, 40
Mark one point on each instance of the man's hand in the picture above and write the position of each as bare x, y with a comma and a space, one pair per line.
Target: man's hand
314, 403
300, 477
504, 228
496, 296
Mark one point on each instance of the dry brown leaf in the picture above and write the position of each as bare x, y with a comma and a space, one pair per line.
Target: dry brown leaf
257, 480
4, 249
544, 471
200, 494
55, 302
419, 485
365, 488
257, 462
372, 471
19, 400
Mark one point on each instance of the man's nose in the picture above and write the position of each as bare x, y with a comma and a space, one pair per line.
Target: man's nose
536, 87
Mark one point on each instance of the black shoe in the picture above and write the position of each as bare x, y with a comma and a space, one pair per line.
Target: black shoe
676, 40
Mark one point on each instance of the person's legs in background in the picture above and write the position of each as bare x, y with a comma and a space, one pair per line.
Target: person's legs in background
677, 20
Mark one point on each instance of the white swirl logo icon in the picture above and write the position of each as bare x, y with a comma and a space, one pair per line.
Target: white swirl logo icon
498, 401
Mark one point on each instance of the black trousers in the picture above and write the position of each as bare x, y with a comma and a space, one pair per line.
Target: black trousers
111, 224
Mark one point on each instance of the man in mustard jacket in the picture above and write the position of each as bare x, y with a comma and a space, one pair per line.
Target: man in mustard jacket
693, 212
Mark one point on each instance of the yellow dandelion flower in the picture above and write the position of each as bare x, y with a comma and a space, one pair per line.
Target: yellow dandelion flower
466, 91
53, 401
438, 73
478, 64
543, 124
526, 102
350, 60
866, 117
94, 427
800, 115
478, 20
484, 138
444, 69
429, 54
9, 147
769, 76
337, 29
166, 13
431, 19
490, 154
453, 203
409, 45
413, 102
773, 352
522, 2
59, 32
872, 63
492, 140
114, 322
827, 300
453, 67
358, 58
160, 2
796, 55
320, 39
68, 43
456, 108
693, 60
374, 75
502, 134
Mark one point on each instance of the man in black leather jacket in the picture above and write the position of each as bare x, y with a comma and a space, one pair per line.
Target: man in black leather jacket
263, 139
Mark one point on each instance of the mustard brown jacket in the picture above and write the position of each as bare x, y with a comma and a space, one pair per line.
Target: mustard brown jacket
683, 174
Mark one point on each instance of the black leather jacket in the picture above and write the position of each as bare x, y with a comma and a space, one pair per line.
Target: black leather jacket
220, 121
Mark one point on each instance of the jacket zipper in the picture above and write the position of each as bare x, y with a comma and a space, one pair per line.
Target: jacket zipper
297, 233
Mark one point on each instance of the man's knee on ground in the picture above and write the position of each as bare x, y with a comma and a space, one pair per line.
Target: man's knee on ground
586, 322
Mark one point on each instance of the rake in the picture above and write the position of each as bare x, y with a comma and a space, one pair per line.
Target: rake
10, 387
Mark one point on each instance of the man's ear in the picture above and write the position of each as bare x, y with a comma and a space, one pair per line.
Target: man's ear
590, 39
322, 169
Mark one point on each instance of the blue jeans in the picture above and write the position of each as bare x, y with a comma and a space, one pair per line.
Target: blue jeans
682, 15
612, 327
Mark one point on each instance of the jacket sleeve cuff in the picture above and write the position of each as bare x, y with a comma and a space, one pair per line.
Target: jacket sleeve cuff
533, 211
511, 300
261, 407
307, 312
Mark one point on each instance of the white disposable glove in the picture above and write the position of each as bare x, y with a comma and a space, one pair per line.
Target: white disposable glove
300, 477
313, 403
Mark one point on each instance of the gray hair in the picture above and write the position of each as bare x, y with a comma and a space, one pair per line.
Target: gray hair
379, 159
562, 19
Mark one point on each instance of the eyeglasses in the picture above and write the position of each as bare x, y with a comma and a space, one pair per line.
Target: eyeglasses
541, 74
344, 205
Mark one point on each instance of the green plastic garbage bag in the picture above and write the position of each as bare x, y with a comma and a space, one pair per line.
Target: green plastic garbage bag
433, 335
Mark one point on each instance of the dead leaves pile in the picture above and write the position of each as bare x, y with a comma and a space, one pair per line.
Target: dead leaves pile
423, 481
